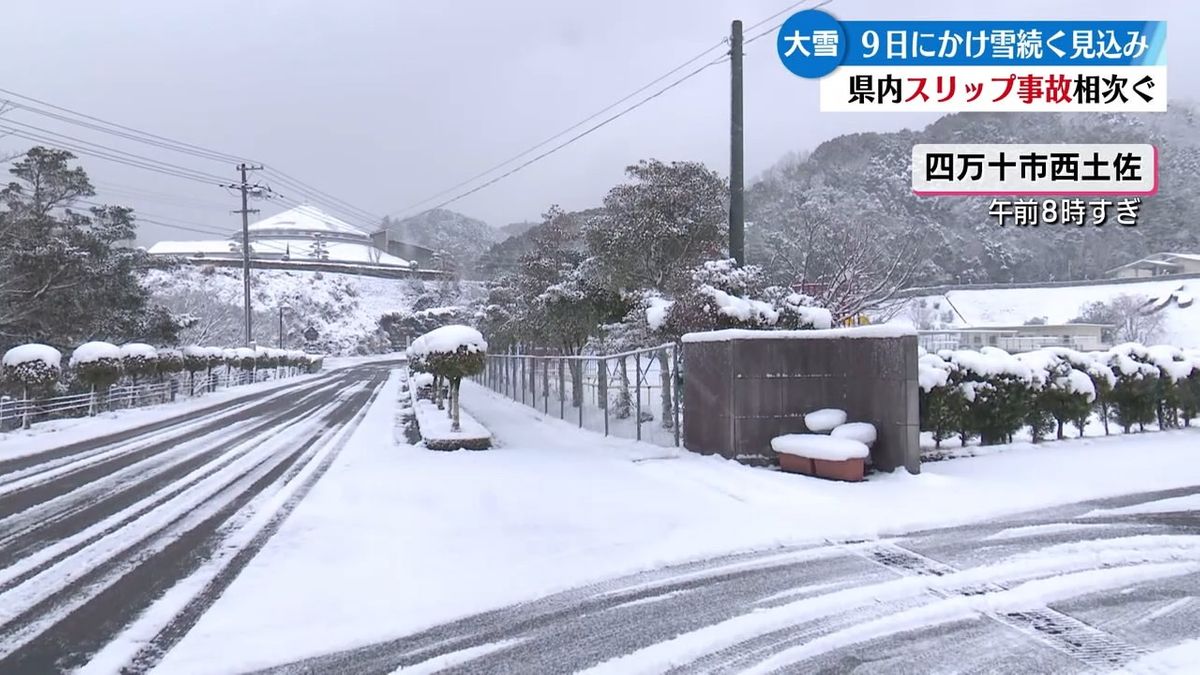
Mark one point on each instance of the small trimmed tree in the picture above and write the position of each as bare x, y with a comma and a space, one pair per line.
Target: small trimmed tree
195, 359
98, 365
170, 361
137, 360
452, 353
34, 368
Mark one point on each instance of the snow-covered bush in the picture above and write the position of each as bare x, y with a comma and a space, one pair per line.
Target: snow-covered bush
996, 386
941, 401
195, 359
245, 358
169, 361
96, 364
1135, 389
1062, 390
31, 368
725, 295
138, 359
450, 353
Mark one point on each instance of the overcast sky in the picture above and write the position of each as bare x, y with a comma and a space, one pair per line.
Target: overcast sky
385, 102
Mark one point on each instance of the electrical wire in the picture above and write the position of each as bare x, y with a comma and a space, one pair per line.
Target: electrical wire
580, 135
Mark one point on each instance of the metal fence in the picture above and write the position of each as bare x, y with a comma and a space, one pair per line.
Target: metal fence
634, 394
16, 412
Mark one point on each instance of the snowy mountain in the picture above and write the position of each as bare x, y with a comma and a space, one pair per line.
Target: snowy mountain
867, 177
462, 237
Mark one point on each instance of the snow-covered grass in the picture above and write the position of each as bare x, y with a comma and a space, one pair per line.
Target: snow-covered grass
395, 539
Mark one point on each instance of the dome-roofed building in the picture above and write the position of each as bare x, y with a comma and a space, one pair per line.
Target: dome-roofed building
299, 237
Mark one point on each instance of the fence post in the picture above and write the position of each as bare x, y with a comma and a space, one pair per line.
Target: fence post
637, 387
532, 381
546, 386
676, 385
581, 365
602, 389
562, 384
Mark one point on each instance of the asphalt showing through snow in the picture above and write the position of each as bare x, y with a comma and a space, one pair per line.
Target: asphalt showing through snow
948, 600
94, 533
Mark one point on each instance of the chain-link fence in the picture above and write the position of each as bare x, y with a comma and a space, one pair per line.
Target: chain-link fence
634, 394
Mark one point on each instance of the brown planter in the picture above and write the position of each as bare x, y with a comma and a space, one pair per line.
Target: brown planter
846, 469
794, 464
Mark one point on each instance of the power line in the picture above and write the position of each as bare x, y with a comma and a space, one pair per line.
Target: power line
39, 135
776, 27
179, 146
584, 133
562, 133
569, 129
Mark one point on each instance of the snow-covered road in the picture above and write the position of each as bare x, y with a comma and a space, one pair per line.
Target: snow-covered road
1090, 587
111, 548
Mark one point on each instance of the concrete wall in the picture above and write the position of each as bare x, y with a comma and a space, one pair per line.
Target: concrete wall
738, 394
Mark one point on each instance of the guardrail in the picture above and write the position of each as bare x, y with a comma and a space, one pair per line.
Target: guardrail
635, 394
18, 412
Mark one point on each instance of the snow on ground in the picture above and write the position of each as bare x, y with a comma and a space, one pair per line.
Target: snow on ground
1172, 505
396, 539
343, 308
56, 433
1015, 306
1181, 658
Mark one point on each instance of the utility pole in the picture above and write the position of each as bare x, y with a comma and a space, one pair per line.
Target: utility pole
245, 187
281, 326
737, 212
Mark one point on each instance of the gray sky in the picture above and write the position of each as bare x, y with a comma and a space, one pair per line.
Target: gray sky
385, 102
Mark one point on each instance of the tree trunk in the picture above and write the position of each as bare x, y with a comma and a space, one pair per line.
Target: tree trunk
576, 382
454, 388
25, 412
92, 403
437, 392
1060, 430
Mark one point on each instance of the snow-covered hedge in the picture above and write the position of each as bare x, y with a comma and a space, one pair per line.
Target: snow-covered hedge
992, 394
138, 359
31, 367
98, 364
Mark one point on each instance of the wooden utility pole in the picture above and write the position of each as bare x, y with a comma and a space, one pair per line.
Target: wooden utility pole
244, 186
737, 213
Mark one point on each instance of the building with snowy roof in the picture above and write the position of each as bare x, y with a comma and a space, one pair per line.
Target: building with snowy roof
300, 237
1157, 265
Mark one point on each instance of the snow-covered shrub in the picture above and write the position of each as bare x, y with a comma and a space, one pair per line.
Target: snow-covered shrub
1062, 389
138, 359
245, 358
229, 358
451, 353
31, 368
264, 358
1135, 389
941, 401
996, 386
97, 364
315, 362
195, 359
724, 295
1174, 369
169, 361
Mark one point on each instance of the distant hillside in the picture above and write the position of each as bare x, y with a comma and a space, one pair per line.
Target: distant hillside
867, 176
504, 255
515, 229
462, 237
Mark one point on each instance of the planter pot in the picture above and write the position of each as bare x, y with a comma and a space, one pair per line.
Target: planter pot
794, 464
846, 469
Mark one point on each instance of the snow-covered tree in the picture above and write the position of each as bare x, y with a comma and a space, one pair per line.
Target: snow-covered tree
64, 275
98, 365
450, 353
30, 368
1128, 317
656, 227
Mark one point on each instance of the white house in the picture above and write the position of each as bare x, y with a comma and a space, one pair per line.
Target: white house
1157, 265
301, 234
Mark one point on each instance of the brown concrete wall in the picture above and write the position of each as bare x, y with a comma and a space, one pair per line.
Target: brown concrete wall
738, 394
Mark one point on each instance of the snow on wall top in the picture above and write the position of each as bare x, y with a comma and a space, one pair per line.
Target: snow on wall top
90, 352
32, 352
880, 331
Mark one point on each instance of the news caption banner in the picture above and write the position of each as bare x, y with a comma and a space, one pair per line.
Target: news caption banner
999, 66
1031, 170
990, 66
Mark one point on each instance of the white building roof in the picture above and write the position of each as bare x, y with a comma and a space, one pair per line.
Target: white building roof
306, 218
192, 247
